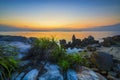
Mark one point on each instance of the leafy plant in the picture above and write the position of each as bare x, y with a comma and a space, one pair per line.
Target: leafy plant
7, 62
64, 64
58, 53
42, 49
48, 50
72, 60
78, 58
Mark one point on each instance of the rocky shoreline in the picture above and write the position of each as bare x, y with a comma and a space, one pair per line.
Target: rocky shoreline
104, 59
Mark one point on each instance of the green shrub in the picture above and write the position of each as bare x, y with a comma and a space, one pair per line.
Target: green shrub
74, 59
45, 43
64, 64
7, 62
58, 54
48, 50
41, 50
78, 59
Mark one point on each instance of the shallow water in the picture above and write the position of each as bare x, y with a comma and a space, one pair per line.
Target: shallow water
65, 35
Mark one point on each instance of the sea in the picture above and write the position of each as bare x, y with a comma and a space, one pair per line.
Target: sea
98, 35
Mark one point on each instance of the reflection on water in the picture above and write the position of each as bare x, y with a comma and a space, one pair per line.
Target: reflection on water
64, 35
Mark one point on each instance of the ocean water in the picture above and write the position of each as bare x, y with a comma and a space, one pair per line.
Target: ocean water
98, 35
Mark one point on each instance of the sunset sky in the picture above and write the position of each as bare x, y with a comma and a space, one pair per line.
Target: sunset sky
50, 14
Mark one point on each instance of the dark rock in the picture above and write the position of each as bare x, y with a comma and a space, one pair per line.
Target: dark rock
13, 38
102, 60
109, 77
90, 48
73, 38
116, 38
63, 43
112, 73
116, 68
88, 41
91, 38
78, 43
108, 41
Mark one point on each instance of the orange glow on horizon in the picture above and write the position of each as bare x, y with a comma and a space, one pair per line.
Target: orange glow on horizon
55, 24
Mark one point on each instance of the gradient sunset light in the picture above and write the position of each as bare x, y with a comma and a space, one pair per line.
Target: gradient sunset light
50, 14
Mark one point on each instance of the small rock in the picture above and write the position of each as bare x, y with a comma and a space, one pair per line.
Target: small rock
103, 72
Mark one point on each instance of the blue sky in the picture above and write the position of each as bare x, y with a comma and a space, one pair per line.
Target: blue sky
59, 13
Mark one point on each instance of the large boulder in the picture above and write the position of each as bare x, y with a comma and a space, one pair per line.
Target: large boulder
75, 42
109, 41
22, 48
102, 60
113, 50
52, 73
83, 73
116, 38
88, 41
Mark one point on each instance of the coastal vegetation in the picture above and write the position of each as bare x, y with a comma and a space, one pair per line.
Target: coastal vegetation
8, 64
46, 49
49, 59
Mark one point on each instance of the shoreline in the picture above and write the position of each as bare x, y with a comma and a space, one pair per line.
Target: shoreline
100, 55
